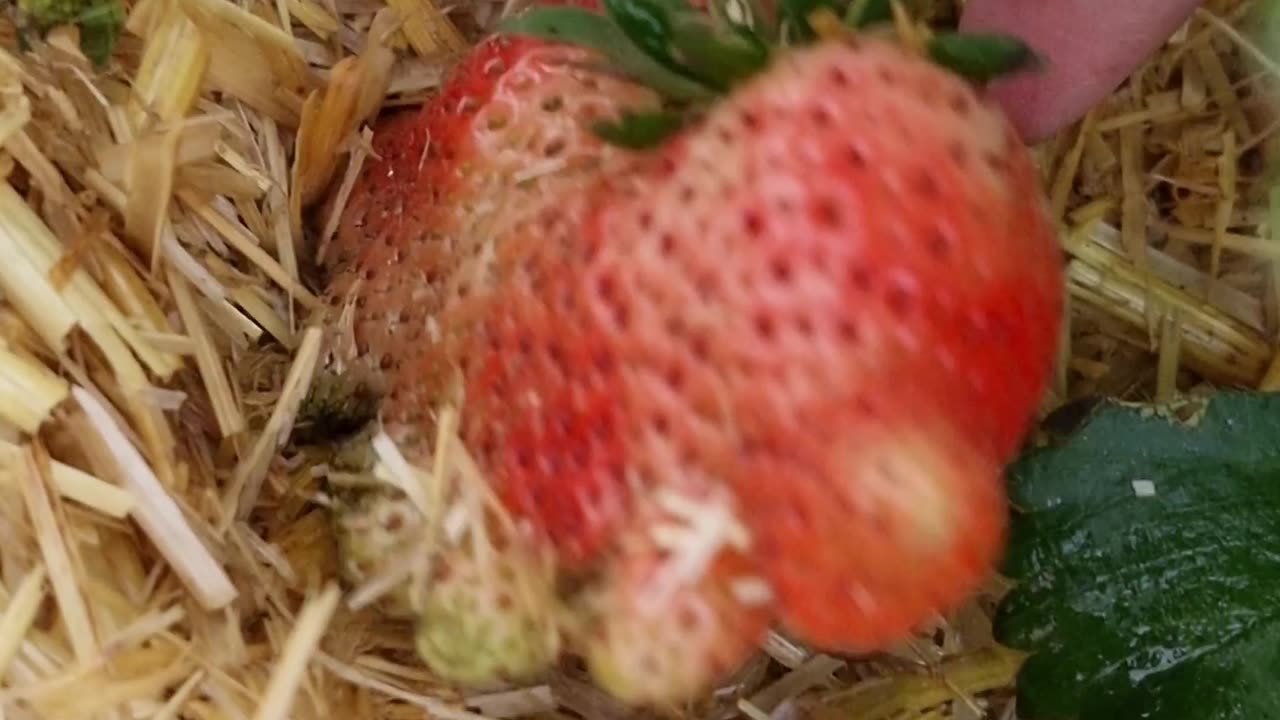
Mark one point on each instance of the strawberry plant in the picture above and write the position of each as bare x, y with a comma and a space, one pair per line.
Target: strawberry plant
1143, 550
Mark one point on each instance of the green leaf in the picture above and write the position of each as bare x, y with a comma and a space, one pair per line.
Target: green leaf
596, 32
982, 57
640, 131
862, 13
100, 27
647, 24
1161, 606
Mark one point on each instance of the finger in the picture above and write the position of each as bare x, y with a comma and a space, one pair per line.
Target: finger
1091, 46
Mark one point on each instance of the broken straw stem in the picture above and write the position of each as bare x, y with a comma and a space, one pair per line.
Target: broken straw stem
158, 514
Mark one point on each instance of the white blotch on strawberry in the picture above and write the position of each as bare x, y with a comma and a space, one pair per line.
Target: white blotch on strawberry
677, 608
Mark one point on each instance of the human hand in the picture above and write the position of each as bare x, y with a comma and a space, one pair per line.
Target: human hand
1091, 46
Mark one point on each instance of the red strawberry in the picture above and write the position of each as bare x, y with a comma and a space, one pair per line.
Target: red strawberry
851, 288
506, 146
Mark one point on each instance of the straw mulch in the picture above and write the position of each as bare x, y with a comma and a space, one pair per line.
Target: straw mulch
165, 554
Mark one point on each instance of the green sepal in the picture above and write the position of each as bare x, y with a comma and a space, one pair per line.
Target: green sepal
719, 57
640, 131
982, 57
647, 24
594, 31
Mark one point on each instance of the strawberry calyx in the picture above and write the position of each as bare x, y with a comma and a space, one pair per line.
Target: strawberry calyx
693, 56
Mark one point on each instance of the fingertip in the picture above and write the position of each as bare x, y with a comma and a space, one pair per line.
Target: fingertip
1089, 48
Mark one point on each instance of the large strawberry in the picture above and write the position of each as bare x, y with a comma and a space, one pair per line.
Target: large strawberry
840, 292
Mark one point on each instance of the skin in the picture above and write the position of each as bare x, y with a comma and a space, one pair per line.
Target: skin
1091, 47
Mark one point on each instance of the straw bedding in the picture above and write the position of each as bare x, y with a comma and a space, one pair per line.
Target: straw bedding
165, 553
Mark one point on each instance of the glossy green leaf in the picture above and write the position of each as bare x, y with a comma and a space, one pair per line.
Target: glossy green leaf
640, 131
982, 57
595, 31
1146, 555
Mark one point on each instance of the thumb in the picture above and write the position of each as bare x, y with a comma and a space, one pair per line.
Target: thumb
1091, 46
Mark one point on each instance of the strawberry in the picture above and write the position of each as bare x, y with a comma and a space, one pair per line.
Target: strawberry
374, 526
506, 145
852, 250
488, 619
487, 607
839, 291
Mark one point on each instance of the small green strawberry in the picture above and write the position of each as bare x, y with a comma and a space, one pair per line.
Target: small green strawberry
489, 619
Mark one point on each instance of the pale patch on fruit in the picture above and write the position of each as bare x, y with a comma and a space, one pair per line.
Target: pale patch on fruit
702, 529
541, 168
751, 591
863, 599
906, 483
915, 489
